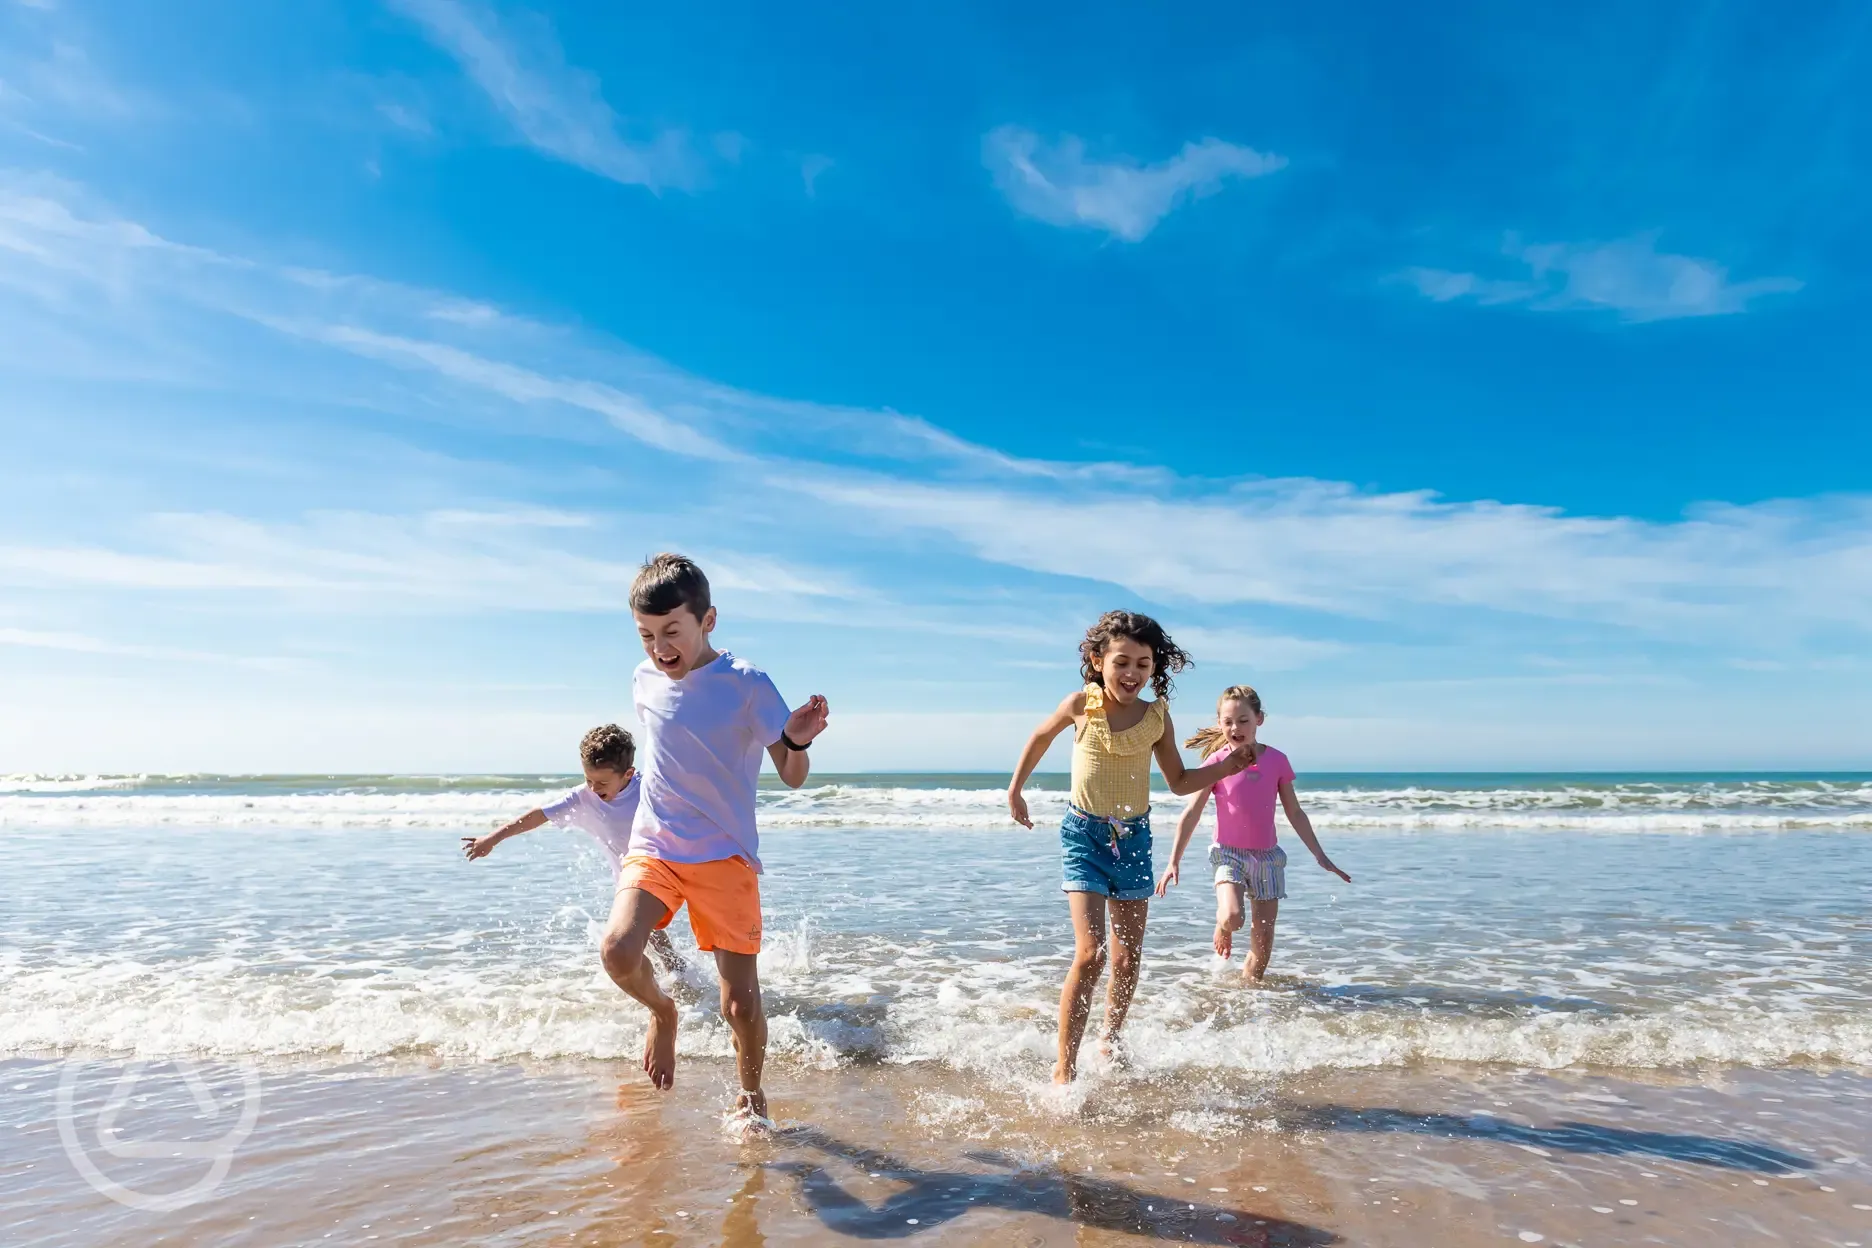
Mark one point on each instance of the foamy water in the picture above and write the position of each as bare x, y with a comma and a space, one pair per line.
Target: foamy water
1559, 803
339, 922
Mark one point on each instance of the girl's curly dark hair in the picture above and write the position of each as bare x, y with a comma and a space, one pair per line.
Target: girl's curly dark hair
1167, 657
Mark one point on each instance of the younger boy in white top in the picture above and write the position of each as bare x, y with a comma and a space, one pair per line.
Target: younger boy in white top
604, 806
707, 718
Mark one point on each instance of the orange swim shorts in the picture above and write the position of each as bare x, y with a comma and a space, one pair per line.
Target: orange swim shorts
723, 897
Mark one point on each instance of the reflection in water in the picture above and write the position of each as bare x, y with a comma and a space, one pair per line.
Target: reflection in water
931, 1198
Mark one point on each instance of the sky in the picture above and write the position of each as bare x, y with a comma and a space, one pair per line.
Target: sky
1485, 384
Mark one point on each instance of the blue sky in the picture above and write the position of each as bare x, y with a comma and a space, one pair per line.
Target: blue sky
1486, 386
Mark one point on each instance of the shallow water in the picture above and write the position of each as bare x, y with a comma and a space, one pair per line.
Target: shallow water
1669, 941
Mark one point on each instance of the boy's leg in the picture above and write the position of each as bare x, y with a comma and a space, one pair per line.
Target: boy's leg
1088, 918
1127, 933
1260, 938
1228, 917
741, 1006
634, 915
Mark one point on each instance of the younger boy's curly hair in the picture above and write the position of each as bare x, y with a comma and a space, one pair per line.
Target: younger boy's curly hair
1167, 657
608, 748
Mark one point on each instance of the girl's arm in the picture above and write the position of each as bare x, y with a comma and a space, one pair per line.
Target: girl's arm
482, 846
1062, 718
1303, 827
1186, 827
1184, 781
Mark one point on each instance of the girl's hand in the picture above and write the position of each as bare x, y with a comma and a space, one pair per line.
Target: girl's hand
1327, 863
479, 846
1171, 876
1239, 759
1017, 806
809, 720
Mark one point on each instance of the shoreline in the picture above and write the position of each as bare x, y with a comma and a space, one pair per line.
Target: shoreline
591, 1154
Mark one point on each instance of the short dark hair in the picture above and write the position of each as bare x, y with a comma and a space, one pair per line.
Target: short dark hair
668, 581
608, 748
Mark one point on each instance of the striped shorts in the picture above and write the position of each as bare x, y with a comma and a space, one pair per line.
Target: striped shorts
1262, 873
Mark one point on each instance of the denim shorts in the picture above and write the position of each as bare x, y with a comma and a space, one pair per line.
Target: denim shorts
1111, 857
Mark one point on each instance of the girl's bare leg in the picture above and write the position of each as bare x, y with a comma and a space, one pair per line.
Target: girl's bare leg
1228, 917
1088, 918
1260, 938
1127, 930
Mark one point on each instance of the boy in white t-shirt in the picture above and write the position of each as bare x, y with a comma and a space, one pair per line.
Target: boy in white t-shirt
708, 717
605, 806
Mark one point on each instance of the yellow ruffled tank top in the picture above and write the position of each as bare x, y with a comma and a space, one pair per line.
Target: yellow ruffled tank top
1111, 770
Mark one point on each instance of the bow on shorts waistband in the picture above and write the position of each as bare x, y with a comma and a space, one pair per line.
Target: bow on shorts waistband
1120, 826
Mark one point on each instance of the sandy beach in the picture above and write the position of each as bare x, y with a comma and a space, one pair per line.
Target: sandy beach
590, 1155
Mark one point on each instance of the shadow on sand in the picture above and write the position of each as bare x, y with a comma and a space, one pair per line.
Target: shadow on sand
935, 1197
1565, 1137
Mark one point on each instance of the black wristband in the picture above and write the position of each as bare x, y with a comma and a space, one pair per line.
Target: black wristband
791, 744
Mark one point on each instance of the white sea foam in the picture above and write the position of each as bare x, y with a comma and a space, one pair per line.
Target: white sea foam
94, 801
450, 1014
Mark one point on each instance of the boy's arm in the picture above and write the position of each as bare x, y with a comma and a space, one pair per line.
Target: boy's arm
801, 727
1059, 721
1184, 781
1186, 828
482, 846
1303, 828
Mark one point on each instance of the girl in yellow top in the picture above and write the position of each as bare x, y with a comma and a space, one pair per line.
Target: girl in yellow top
1105, 843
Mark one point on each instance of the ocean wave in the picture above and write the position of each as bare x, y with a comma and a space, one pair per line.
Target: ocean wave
453, 1015
81, 802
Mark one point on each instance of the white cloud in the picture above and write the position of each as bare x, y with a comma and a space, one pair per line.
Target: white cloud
1056, 183
557, 107
79, 643
1325, 546
1720, 574
1630, 277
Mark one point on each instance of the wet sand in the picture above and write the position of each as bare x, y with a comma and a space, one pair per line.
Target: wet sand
589, 1154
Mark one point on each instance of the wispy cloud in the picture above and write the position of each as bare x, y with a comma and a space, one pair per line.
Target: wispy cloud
1630, 277
891, 487
1057, 183
80, 643
557, 107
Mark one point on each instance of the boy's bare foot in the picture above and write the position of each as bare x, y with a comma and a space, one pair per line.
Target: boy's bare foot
659, 1059
754, 1103
1224, 941
1253, 978
1063, 1074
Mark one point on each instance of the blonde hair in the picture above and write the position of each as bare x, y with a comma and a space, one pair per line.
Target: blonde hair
1208, 740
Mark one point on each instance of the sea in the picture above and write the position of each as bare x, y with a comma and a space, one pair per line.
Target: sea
1536, 991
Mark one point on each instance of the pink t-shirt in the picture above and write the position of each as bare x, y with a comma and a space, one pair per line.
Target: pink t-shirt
1245, 801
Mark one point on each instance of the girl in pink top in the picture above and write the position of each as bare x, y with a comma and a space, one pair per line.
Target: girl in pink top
1246, 859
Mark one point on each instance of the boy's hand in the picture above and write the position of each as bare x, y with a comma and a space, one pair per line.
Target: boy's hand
479, 846
1172, 875
1017, 806
809, 720
1327, 863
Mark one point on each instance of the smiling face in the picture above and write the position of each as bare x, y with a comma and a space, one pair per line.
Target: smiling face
606, 783
1125, 668
1238, 721
677, 642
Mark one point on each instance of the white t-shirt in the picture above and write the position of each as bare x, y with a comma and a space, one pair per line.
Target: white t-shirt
608, 822
703, 738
